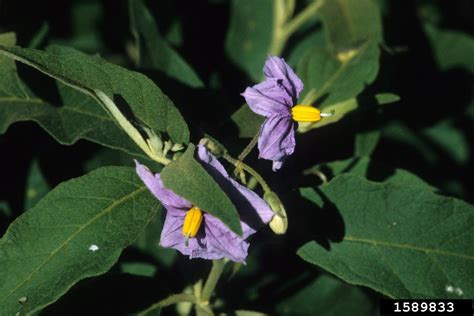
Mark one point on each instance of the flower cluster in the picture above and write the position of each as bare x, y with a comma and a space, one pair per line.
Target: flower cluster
198, 234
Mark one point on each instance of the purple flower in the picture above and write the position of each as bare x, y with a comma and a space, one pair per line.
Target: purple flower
275, 98
198, 234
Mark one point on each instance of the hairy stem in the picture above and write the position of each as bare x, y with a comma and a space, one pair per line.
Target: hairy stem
250, 170
211, 282
248, 148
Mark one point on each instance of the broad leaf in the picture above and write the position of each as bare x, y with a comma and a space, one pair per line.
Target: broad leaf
451, 139
154, 51
372, 170
250, 34
451, 48
402, 241
78, 230
78, 117
113, 86
347, 23
247, 121
326, 296
187, 178
366, 142
331, 78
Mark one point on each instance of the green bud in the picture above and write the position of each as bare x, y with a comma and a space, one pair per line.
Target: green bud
213, 146
279, 222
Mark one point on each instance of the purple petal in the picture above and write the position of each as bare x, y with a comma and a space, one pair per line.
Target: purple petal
268, 98
173, 202
253, 210
276, 140
277, 68
172, 237
221, 240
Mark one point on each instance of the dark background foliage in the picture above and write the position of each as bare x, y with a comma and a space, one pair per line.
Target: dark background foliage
428, 132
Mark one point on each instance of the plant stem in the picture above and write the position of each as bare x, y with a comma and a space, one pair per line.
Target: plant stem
248, 148
255, 174
173, 299
302, 17
284, 27
211, 282
279, 18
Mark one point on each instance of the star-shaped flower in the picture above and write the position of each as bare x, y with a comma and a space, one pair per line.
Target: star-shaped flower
198, 234
275, 98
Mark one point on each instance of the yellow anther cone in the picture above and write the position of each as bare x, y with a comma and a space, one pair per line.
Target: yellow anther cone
305, 113
192, 222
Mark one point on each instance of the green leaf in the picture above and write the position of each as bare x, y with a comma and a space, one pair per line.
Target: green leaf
372, 170
332, 78
347, 23
139, 268
366, 142
154, 51
250, 35
247, 121
341, 109
451, 48
450, 139
187, 178
76, 231
148, 242
111, 85
36, 185
5, 209
402, 241
80, 116
328, 296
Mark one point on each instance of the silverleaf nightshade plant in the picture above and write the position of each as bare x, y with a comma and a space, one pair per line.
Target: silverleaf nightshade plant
198, 234
275, 98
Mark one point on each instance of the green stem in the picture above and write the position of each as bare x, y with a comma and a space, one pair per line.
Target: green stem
284, 27
279, 18
173, 299
302, 17
255, 174
249, 148
211, 282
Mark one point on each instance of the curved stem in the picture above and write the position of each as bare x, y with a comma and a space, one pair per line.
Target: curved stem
211, 282
173, 299
255, 174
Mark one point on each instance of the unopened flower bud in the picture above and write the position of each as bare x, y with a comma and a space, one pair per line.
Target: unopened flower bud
213, 146
279, 222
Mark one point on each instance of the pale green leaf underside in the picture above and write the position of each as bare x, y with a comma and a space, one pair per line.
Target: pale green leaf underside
403, 241
78, 230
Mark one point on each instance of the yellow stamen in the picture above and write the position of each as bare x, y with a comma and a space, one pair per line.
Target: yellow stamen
305, 113
192, 222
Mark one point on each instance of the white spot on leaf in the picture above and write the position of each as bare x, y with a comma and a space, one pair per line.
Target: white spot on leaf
93, 248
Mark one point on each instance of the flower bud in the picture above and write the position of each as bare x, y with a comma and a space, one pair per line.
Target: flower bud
213, 146
279, 222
